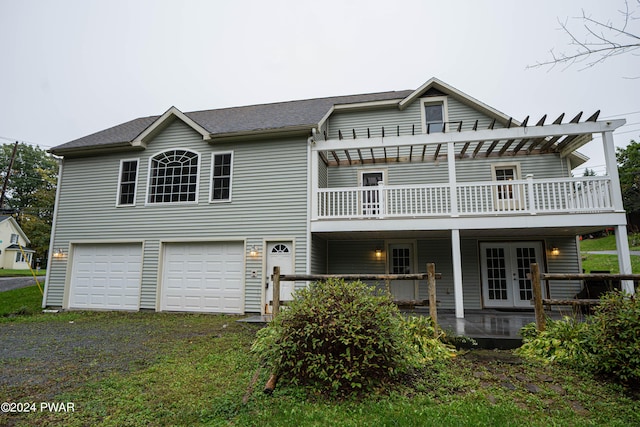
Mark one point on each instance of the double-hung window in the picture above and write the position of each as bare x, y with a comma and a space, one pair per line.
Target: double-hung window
434, 114
127, 184
173, 177
221, 173
14, 238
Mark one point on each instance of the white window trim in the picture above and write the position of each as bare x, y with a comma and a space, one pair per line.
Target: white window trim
515, 203
150, 161
430, 101
135, 194
16, 240
513, 165
213, 156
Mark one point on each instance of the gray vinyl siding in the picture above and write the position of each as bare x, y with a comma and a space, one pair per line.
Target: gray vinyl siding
568, 261
541, 166
318, 255
374, 120
269, 198
408, 120
356, 257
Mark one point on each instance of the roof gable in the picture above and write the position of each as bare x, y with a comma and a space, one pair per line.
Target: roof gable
13, 224
162, 122
433, 84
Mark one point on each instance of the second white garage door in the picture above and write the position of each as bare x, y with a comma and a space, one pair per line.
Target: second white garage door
203, 277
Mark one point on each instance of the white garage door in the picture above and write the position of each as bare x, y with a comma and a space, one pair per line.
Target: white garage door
203, 277
106, 276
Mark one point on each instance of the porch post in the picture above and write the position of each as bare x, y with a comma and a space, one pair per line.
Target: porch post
453, 190
612, 170
457, 273
624, 257
313, 171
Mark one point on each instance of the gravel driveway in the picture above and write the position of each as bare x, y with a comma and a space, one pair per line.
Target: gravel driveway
43, 358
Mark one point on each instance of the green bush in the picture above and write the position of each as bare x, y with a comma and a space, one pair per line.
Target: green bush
565, 341
616, 336
343, 337
427, 343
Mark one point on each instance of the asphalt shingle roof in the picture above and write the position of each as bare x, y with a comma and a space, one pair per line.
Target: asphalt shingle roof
280, 115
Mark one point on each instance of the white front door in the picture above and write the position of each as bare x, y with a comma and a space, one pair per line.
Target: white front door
371, 196
279, 254
401, 262
505, 266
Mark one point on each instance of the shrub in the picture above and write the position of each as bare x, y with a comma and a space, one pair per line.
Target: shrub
427, 343
565, 341
616, 336
340, 337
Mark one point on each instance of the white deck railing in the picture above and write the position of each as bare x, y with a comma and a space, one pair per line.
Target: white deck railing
529, 196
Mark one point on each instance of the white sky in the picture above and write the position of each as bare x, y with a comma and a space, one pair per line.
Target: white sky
72, 68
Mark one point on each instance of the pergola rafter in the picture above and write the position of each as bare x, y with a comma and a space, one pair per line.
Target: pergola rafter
512, 140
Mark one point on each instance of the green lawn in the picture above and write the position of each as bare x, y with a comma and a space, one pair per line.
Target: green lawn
197, 370
591, 262
5, 272
20, 301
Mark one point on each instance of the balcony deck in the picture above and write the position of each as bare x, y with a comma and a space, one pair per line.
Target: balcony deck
524, 199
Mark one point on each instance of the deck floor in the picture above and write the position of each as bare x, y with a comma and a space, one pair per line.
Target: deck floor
490, 328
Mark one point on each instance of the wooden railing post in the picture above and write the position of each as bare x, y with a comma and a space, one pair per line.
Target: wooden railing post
431, 283
541, 323
276, 291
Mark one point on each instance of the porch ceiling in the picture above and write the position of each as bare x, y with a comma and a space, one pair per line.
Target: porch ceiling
504, 144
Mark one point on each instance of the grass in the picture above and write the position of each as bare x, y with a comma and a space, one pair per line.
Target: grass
6, 272
23, 301
197, 370
599, 262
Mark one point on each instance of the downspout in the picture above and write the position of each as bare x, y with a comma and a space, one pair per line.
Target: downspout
56, 206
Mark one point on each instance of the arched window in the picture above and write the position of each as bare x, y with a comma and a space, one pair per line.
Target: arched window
174, 177
280, 249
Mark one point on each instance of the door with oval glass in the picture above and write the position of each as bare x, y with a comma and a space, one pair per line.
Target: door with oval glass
505, 266
278, 254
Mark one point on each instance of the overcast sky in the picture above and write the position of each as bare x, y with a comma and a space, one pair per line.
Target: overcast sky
72, 68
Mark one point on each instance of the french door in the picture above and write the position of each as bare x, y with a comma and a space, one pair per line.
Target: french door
505, 266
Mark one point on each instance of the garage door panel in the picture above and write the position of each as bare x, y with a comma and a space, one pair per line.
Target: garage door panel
106, 277
203, 277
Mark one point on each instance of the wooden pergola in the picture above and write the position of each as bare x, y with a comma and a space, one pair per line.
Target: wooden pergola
383, 148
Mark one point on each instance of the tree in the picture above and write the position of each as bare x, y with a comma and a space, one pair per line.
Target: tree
598, 40
31, 190
629, 170
589, 172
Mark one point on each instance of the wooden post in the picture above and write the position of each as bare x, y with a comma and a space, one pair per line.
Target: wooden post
276, 291
541, 322
431, 284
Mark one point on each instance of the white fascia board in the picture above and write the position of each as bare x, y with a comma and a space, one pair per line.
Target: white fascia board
497, 223
448, 89
158, 125
529, 132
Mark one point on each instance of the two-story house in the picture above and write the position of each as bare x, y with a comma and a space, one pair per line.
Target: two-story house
191, 211
14, 245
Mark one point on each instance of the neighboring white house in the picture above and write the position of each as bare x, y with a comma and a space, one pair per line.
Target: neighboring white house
12, 238
191, 211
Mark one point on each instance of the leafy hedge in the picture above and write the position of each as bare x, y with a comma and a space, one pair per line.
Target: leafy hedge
607, 342
343, 337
